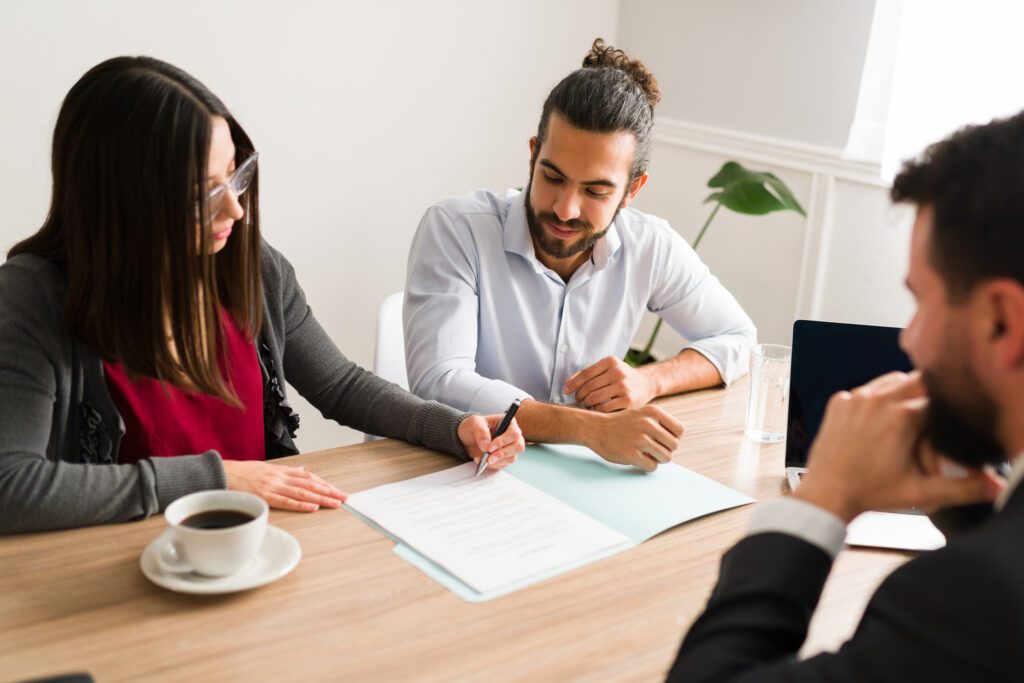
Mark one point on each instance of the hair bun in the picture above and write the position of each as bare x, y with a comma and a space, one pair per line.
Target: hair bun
602, 55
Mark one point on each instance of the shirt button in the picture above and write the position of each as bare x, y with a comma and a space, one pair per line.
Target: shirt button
556, 399
563, 348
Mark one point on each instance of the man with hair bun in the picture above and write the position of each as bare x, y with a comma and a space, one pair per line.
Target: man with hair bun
536, 295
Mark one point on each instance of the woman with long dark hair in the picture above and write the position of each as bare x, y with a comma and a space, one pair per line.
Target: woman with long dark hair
146, 330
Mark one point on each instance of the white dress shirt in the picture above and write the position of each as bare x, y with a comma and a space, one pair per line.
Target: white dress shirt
486, 322
811, 523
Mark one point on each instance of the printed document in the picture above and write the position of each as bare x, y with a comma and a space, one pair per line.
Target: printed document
490, 531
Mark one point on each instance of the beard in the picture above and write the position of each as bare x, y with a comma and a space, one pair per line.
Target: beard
557, 248
964, 429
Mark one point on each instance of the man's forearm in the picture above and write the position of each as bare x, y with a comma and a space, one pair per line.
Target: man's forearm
687, 371
550, 423
643, 436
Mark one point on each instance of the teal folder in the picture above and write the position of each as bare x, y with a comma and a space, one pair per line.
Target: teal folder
635, 503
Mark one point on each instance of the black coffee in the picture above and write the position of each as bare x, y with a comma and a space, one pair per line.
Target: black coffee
217, 519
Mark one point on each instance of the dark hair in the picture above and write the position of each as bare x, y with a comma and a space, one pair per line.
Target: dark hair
974, 181
610, 93
129, 161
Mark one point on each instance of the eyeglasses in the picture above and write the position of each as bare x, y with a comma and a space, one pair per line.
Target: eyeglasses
237, 184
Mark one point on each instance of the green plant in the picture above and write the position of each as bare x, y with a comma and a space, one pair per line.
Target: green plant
754, 193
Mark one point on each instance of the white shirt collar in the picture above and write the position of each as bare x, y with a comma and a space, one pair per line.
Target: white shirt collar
518, 241
1012, 482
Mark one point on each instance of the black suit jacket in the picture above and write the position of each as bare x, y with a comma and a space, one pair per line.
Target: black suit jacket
955, 614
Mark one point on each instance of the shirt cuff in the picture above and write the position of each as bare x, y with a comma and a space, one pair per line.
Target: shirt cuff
494, 397
730, 354
804, 520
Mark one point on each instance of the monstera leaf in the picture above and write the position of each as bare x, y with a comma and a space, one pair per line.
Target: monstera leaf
754, 193
751, 192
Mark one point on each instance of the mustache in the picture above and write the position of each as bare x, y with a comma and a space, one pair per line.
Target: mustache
574, 224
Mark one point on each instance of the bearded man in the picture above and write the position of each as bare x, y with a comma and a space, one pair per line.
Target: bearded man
537, 295
928, 439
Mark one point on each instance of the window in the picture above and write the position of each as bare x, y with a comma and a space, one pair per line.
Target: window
931, 67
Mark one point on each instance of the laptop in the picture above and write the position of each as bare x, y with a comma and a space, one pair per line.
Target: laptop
830, 357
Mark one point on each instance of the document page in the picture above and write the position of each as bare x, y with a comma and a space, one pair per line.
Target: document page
488, 531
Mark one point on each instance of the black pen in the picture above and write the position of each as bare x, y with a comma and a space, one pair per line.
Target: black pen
505, 422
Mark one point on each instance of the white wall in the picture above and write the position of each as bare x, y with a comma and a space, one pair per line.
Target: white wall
772, 84
780, 68
364, 113
845, 261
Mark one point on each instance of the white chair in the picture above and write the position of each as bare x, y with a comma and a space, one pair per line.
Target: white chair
389, 351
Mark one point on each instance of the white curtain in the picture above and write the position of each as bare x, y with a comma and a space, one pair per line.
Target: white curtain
931, 67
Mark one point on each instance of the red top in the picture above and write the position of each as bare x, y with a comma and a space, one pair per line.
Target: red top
161, 420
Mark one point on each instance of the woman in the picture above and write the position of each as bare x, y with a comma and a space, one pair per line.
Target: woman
147, 318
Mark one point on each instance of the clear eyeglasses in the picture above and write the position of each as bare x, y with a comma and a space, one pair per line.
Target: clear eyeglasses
237, 184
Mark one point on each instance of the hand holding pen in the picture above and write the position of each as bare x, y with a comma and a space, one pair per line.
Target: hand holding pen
503, 426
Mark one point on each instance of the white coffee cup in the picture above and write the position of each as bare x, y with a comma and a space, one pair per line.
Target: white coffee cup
214, 533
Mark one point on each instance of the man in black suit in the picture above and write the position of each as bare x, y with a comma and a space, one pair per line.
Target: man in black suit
925, 439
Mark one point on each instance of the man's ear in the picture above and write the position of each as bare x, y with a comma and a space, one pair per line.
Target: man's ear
1001, 322
533, 151
634, 188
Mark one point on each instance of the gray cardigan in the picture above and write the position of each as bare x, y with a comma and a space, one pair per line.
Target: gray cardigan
59, 429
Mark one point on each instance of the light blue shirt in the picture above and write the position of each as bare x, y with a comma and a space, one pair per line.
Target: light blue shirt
486, 322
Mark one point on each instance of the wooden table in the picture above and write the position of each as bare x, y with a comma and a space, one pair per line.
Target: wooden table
77, 600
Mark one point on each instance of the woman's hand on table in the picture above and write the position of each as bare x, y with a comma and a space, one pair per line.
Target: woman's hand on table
283, 487
475, 433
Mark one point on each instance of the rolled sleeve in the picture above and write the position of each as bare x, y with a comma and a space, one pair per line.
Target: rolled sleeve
699, 307
495, 396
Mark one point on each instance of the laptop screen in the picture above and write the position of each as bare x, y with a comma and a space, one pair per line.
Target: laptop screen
831, 357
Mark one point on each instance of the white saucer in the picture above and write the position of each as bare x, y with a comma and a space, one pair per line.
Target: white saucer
278, 555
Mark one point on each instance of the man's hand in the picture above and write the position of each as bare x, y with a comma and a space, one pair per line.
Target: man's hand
644, 437
609, 385
283, 487
869, 455
475, 433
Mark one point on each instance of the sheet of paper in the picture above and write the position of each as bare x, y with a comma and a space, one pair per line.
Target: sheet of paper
490, 531
637, 504
894, 530
453, 584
